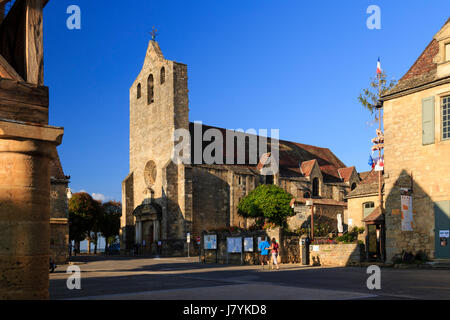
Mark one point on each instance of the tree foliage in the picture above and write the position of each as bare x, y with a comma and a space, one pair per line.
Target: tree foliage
89, 217
369, 97
267, 203
84, 213
110, 224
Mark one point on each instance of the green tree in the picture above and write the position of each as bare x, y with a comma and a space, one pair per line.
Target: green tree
110, 224
267, 203
369, 97
84, 217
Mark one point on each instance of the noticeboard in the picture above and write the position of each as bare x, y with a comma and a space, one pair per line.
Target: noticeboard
234, 245
248, 244
210, 242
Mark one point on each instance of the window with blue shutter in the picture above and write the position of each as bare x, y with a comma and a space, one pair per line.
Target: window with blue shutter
428, 121
445, 118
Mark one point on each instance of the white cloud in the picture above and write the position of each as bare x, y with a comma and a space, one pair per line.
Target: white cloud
99, 197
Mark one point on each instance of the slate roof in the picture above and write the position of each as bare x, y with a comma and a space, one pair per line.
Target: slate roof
292, 155
368, 186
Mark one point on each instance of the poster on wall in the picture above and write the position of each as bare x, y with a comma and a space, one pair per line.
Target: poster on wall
406, 209
234, 245
248, 244
210, 242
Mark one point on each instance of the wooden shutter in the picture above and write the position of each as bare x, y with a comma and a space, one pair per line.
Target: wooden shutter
428, 121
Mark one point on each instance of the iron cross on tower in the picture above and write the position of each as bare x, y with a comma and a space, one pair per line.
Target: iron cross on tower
154, 33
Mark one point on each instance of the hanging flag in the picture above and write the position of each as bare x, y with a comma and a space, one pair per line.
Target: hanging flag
379, 67
371, 163
380, 164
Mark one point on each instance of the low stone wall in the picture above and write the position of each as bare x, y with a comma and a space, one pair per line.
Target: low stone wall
336, 254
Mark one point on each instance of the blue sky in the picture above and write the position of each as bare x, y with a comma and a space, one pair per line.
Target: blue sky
297, 66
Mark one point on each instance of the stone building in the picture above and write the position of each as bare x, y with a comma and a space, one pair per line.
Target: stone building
27, 145
417, 149
163, 200
59, 212
364, 212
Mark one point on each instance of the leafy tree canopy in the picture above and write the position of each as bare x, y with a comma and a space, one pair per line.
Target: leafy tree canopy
84, 216
110, 222
267, 203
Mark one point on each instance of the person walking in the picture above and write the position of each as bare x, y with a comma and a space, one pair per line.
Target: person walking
264, 248
274, 248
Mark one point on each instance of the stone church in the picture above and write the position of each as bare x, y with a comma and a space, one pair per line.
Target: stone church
163, 200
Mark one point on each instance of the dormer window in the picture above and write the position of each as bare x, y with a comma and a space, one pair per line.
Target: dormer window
447, 52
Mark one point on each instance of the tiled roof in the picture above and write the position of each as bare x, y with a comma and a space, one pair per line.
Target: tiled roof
422, 72
375, 216
292, 155
307, 166
346, 173
368, 186
363, 175
329, 202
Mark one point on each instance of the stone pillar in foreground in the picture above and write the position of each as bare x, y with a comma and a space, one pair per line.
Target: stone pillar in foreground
25, 153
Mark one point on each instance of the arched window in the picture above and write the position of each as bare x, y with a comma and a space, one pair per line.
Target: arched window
150, 89
163, 75
307, 194
353, 185
315, 187
368, 207
138, 93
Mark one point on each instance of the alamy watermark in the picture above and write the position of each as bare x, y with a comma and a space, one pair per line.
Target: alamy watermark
232, 147
374, 281
73, 22
374, 20
74, 280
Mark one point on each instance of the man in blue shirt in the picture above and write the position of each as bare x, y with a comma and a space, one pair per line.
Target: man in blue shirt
264, 248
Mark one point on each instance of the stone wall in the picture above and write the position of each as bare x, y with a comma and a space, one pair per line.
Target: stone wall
356, 211
336, 254
59, 226
407, 160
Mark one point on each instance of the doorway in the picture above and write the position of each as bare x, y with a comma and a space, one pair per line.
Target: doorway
442, 227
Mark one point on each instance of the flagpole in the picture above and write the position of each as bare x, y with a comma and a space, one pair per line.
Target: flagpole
380, 196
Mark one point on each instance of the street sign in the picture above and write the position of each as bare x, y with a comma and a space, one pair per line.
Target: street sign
188, 237
198, 239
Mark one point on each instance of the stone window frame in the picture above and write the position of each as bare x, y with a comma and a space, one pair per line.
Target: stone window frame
138, 91
444, 109
162, 75
314, 193
150, 89
447, 52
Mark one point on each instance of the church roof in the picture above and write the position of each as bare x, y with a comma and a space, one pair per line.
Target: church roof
292, 156
346, 173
